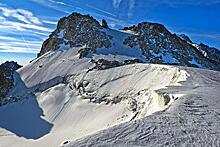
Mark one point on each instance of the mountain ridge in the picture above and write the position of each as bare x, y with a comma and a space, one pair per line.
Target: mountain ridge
157, 44
92, 80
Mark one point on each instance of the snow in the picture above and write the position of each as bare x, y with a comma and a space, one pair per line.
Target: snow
61, 34
64, 46
128, 32
57, 111
195, 63
195, 45
65, 101
118, 51
192, 120
168, 58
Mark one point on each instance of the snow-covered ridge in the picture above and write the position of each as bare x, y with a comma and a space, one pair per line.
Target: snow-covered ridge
193, 120
88, 79
63, 96
145, 42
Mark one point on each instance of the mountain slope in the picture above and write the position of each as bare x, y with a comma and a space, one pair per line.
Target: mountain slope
6, 79
146, 42
88, 78
193, 120
69, 105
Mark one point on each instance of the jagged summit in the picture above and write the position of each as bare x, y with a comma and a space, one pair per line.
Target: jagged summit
146, 42
6, 79
74, 31
161, 46
185, 37
82, 73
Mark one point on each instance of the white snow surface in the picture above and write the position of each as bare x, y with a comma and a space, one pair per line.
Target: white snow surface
118, 51
65, 101
192, 120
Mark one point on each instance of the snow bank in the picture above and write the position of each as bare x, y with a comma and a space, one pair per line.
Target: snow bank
72, 100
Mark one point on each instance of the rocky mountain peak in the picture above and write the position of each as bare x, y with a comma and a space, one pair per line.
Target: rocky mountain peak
161, 46
12, 65
145, 42
6, 78
185, 37
76, 30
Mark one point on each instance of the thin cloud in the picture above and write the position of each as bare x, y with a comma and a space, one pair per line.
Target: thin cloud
207, 36
8, 38
13, 48
59, 3
23, 25
59, 6
49, 22
21, 15
131, 7
116, 3
11, 25
175, 3
83, 8
11, 44
102, 11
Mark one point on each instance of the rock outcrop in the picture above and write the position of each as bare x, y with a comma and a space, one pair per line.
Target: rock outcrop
6, 79
76, 30
155, 43
161, 46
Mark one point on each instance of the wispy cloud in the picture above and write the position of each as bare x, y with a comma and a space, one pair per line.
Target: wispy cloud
175, 3
101, 11
208, 36
116, 3
98, 13
12, 44
25, 26
56, 5
11, 25
131, 7
19, 47
7, 38
21, 15
50, 22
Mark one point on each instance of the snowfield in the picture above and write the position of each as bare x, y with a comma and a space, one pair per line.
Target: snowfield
193, 120
64, 100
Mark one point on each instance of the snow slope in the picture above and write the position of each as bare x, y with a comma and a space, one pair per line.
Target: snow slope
63, 99
193, 120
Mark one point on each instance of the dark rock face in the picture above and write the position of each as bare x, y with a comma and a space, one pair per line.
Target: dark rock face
157, 44
11, 64
104, 24
6, 79
102, 64
186, 38
76, 30
133, 61
210, 52
84, 52
160, 46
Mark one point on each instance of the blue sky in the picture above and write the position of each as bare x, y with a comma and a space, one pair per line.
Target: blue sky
25, 24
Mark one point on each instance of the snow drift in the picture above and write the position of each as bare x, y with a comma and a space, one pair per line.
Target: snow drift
64, 100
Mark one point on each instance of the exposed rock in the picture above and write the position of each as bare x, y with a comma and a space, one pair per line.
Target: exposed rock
133, 61
154, 43
84, 52
6, 79
102, 64
186, 38
76, 30
209, 52
161, 46
104, 24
